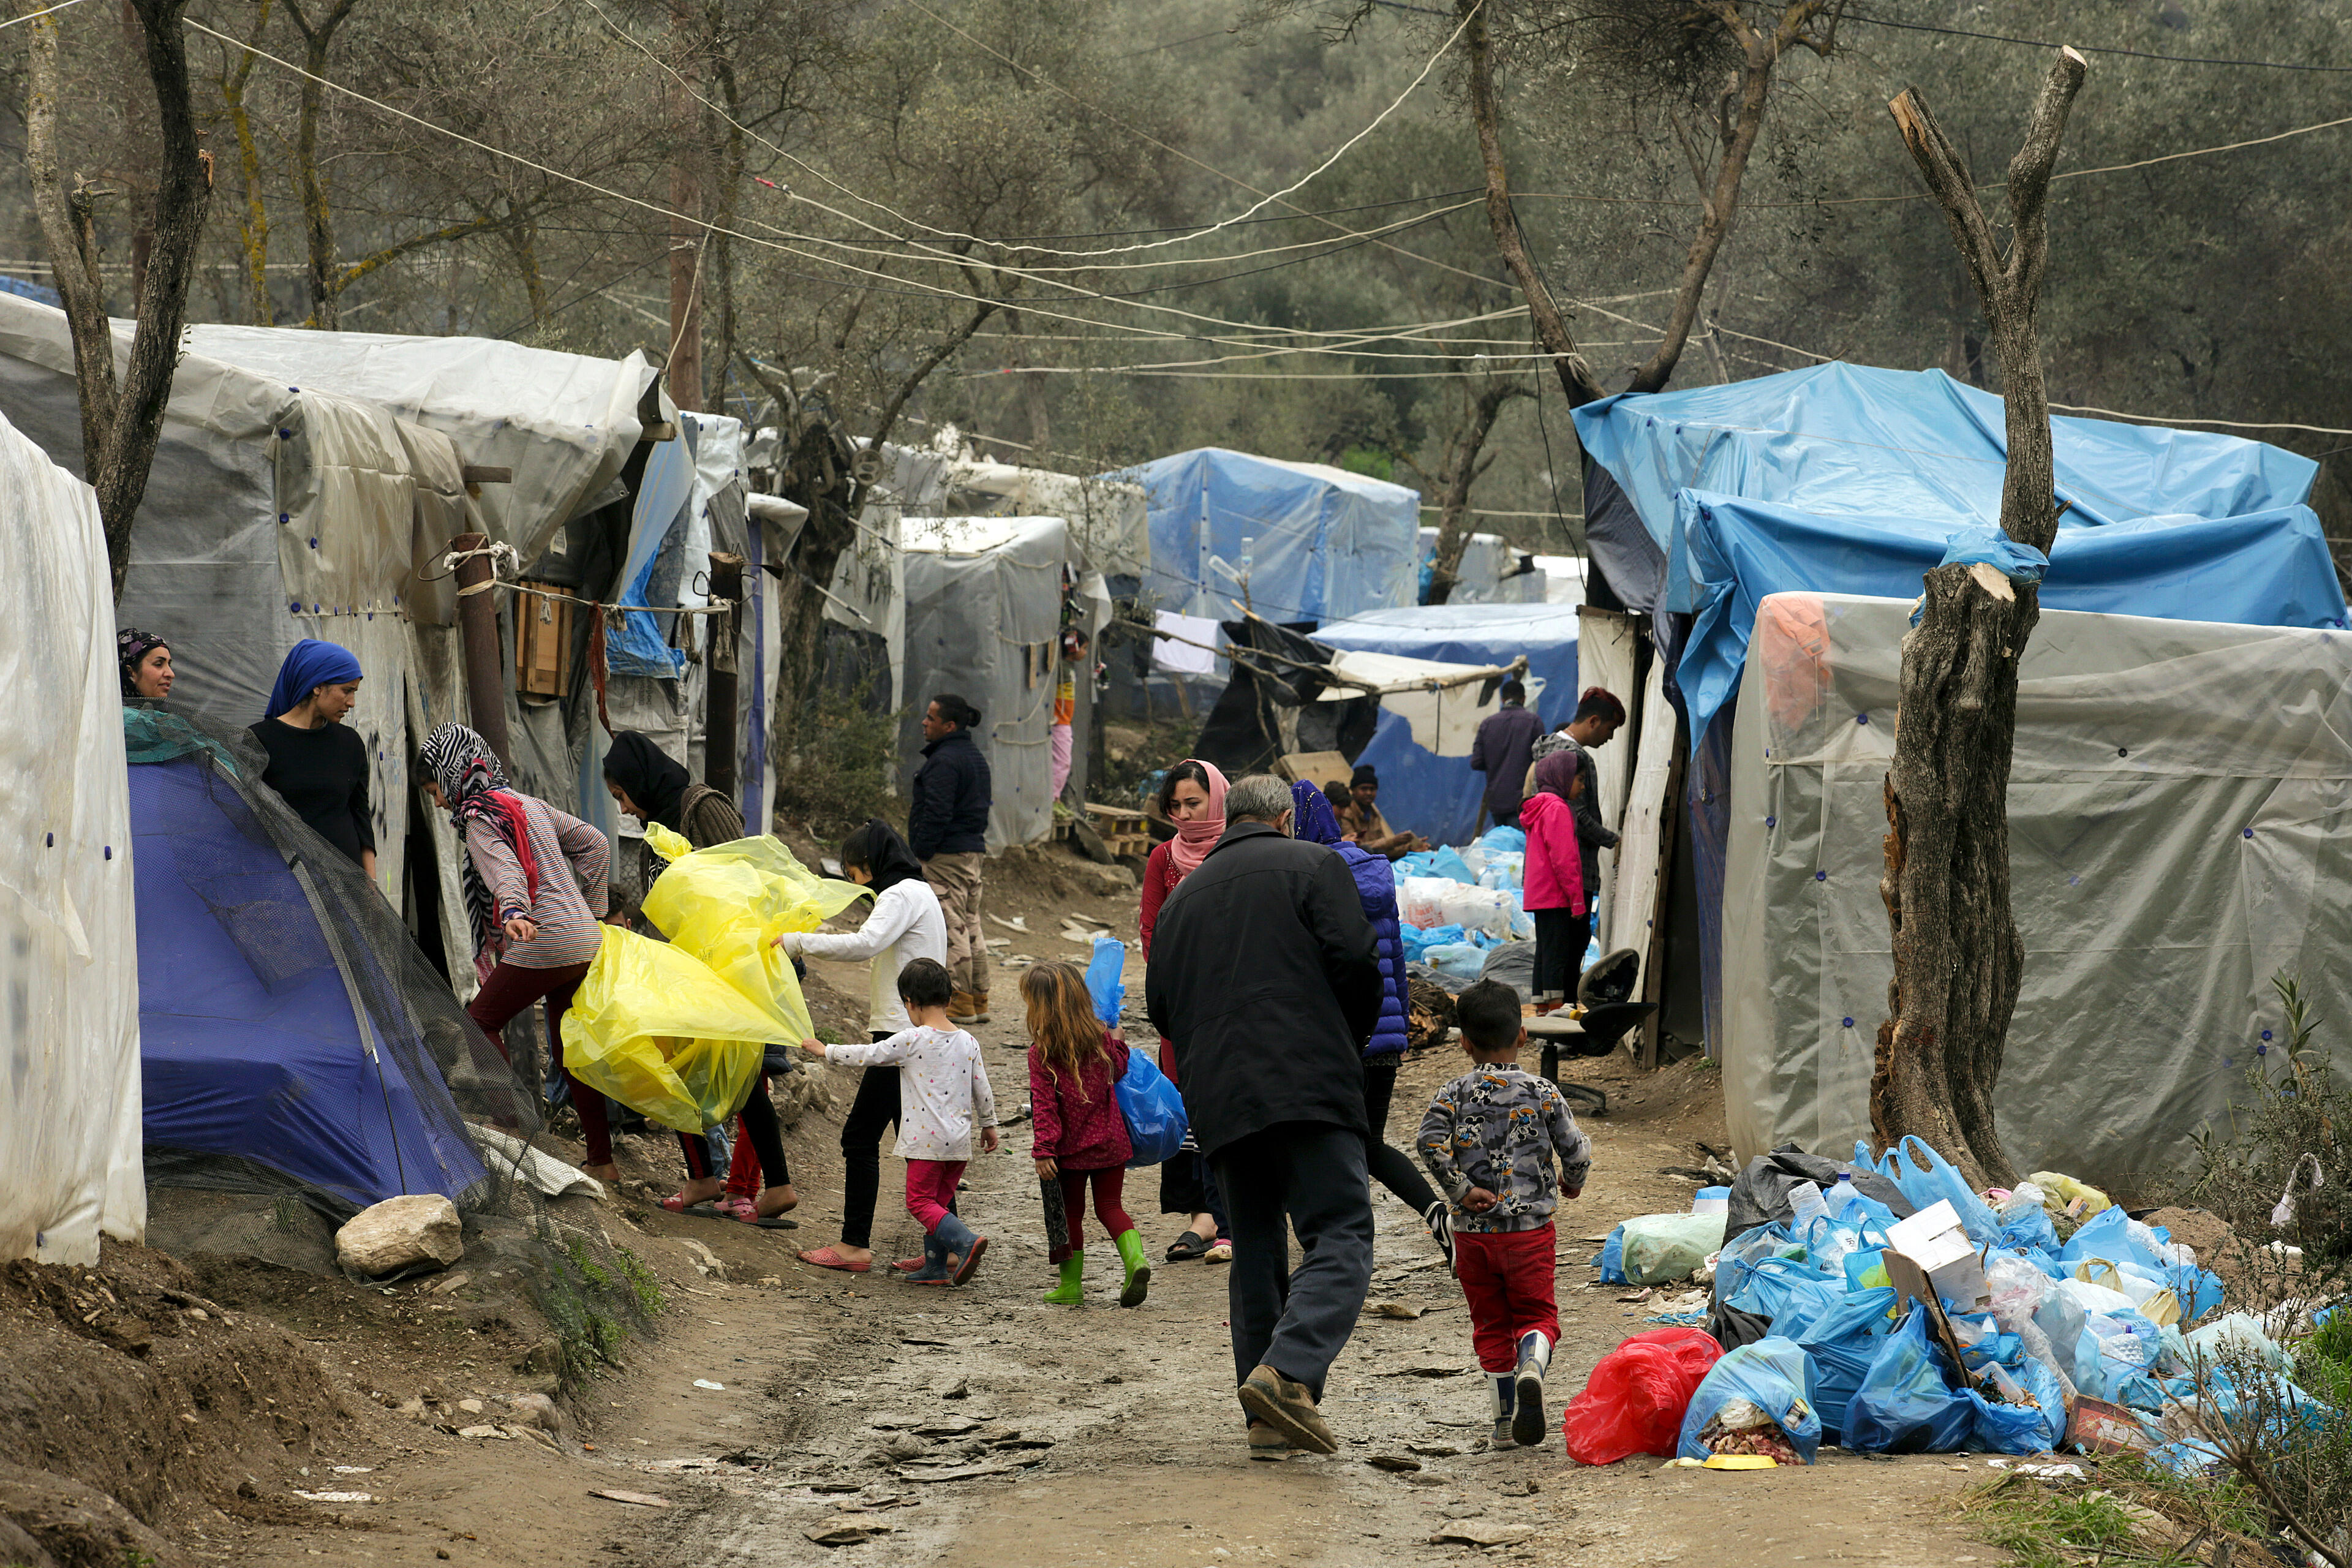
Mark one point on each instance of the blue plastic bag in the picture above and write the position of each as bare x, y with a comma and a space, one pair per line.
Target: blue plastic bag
1152, 1109
1770, 1287
1103, 979
2028, 1227
1612, 1261
1771, 1374
1842, 1344
1927, 1178
2003, 1428
1510, 839
1905, 1406
1457, 959
1419, 939
1744, 1251
1448, 862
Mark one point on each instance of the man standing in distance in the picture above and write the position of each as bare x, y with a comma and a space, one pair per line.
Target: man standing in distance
1266, 976
1503, 751
947, 827
1599, 716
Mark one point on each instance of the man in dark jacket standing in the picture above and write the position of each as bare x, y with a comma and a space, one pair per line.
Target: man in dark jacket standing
947, 827
1265, 975
1500, 750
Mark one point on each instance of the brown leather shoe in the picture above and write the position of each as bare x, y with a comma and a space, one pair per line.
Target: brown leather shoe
1289, 1408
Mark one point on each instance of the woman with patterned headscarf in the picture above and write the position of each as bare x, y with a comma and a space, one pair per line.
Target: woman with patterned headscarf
146, 667
535, 891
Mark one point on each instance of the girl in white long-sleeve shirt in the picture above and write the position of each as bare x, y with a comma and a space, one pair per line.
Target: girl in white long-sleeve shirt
904, 924
945, 1106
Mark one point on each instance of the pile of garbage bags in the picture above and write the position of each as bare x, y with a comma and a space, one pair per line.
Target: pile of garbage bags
1459, 904
2043, 1298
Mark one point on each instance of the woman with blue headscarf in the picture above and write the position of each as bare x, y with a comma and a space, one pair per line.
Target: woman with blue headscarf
317, 763
1311, 818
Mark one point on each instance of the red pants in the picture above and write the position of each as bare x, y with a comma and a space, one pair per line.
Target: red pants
509, 991
1507, 1278
1108, 1184
932, 1188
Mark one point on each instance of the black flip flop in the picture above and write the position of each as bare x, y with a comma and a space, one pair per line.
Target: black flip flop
1187, 1246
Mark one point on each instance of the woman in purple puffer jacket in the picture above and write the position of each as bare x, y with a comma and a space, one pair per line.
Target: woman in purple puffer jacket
1311, 819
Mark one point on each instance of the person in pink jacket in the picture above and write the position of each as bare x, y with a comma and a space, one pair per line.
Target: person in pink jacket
1553, 882
1081, 1135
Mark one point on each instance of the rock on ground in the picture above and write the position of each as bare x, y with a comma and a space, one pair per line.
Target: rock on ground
401, 1233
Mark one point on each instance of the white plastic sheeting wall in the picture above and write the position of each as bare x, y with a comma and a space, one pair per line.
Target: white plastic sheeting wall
983, 611
69, 1105
2180, 830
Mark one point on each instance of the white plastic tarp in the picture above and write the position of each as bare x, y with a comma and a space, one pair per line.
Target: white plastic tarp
983, 616
2180, 830
1489, 573
1635, 887
1105, 517
1444, 720
70, 1119
1606, 644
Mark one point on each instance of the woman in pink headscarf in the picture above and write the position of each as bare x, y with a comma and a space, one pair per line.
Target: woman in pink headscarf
1193, 798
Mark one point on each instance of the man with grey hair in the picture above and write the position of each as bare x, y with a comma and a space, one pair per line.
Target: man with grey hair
1265, 977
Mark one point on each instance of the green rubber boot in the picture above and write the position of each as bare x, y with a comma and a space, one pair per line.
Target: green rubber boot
1138, 1270
1071, 1292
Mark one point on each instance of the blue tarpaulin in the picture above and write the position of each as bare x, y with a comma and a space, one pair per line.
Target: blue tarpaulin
1322, 543
1846, 479
1421, 792
250, 1042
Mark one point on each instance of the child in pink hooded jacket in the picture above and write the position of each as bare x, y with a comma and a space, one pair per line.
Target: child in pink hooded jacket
1553, 887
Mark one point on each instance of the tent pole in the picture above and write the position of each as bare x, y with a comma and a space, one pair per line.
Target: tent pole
478, 614
719, 675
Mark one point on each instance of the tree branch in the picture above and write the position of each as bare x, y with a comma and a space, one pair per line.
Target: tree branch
1552, 326
906, 388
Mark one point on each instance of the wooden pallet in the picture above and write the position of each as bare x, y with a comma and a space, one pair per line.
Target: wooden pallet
1122, 830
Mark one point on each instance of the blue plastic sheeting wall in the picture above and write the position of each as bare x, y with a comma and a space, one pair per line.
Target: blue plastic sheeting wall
1324, 544
1439, 797
271, 1069
1845, 479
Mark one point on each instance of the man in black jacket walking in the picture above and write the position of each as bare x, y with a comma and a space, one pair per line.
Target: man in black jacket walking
1265, 976
947, 827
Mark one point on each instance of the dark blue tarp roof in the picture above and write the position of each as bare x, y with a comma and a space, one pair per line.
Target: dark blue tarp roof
250, 1042
1421, 792
1846, 479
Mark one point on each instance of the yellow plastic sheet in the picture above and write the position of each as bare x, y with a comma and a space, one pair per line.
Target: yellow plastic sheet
676, 1030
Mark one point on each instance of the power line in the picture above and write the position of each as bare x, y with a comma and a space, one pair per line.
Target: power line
2101, 49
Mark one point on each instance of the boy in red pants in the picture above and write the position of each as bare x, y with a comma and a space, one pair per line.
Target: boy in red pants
1490, 1138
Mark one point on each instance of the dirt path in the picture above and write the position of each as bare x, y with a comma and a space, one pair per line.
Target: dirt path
980, 1427
775, 1403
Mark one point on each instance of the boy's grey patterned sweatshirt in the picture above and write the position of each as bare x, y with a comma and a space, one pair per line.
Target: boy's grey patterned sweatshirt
1500, 1128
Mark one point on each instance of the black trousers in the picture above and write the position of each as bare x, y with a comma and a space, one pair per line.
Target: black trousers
1560, 940
760, 1125
1306, 1177
1391, 1168
872, 1113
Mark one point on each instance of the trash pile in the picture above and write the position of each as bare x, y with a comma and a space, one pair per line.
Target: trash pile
1459, 904
1887, 1308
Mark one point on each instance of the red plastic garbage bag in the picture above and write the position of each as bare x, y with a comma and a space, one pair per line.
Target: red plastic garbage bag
1634, 1401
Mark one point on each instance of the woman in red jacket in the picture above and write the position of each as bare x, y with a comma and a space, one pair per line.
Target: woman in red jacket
1081, 1136
1193, 798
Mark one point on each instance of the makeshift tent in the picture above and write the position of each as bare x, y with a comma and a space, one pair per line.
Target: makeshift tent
1847, 478
1491, 572
292, 1037
2180, 824
1420, 791
69, 1045
306, 484
1106, 516
983, 616
1316, 543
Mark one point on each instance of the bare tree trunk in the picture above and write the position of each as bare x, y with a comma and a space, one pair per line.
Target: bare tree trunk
1552, 326
1957, 960
1461, 470
253, 225
687, 235
317, 224
121, 421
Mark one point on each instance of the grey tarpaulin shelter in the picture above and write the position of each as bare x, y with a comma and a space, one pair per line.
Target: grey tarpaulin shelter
984, 613
2180, 830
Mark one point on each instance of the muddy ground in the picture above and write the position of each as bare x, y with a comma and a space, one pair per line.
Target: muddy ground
184, 1405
